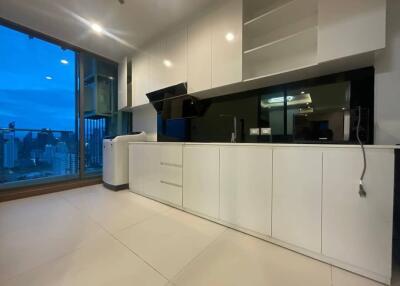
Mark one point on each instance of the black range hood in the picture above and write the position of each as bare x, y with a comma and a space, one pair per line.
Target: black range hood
174, 102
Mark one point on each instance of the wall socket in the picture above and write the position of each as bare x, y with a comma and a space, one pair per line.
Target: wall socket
254, 131
265, 131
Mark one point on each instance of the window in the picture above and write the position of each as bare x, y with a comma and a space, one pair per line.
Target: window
38, 123
41, 110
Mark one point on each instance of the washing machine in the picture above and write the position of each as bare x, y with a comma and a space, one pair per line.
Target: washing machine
115, 160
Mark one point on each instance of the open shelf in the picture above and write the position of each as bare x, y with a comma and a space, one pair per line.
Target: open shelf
255, 8
287, 38
283, 55
291, 18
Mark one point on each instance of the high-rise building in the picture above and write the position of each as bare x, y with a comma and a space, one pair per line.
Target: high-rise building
64, 162
10, 150
1, 149
48, 153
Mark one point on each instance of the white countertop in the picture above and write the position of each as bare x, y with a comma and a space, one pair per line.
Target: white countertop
276, 145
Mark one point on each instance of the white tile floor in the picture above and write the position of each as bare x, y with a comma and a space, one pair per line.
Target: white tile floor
92, 236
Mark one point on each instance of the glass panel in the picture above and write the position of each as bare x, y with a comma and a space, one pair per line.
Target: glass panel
319, 113
38, 141
272, 115
101, 115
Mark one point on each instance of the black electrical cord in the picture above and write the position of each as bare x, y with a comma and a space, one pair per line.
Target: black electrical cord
361, 190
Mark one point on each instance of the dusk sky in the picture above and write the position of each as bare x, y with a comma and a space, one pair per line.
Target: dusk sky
26, 96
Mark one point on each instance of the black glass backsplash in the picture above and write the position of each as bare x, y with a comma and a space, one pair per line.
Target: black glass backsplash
318, 110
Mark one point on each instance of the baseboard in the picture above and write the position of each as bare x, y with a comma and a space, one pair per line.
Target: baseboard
116, 188
29, 191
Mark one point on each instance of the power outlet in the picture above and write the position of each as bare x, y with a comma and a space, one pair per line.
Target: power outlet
254, 131
265, 131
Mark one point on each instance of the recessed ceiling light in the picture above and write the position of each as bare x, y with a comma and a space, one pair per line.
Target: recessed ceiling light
49, 77
64, 62
167, 63
303, 92
229, 37
97, 28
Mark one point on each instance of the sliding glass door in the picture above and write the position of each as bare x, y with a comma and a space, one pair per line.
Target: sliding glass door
38, 122
56, 107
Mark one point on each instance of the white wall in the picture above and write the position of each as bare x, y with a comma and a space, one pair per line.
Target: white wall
144, 118
387, 81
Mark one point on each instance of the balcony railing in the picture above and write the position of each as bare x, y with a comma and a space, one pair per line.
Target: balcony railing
36, 154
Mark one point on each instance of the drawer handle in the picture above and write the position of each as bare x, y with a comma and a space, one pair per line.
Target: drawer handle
170, 165
171, 184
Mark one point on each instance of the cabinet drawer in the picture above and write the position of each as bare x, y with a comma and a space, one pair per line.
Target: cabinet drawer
171, 174
171, 154
170, 193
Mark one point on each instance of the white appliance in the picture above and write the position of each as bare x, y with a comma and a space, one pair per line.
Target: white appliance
115, 160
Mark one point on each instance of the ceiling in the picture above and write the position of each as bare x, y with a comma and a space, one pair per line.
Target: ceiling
126, 26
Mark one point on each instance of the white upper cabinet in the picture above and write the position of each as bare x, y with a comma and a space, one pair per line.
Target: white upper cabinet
236, 40
215, 46
286, 35
174, 59
297, 195
140, 66
125, 87
163, 63
347, 28
227, 26
156, 70
199, 54
246, 187
122, 83
279, 36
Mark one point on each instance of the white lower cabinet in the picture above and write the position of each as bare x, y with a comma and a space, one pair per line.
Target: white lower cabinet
355, 230
246, 187
155, 171
297, 193
201, 179
303, 197
144, 166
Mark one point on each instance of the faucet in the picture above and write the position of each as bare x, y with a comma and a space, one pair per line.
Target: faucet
234, 131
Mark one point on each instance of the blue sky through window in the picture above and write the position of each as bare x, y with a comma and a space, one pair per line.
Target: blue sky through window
26, 96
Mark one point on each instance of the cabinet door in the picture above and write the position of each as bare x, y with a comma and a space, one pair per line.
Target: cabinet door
199, 54
156, 70
296, 215
175, 58
246, 187
348, 28
356, 230
226, 49
140, 79
201, 179
145, 172
122, 84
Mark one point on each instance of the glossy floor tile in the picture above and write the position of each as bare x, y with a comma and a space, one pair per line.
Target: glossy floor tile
171, 240
43, 231
102, 262
113, 210
238, 259
342, 277
93, 236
